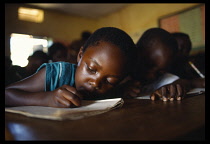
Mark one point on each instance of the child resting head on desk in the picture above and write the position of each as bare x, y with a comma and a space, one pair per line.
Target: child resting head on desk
157, 50
103, 61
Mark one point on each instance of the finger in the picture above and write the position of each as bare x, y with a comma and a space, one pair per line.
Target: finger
172, 92
73, 90
163, 93
184, 92
63, 102
72, 98
68, 93
179, 92
155, 96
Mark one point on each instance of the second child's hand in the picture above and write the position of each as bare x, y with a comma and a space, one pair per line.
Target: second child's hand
169, 92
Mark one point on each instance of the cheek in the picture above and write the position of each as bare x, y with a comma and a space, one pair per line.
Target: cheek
80, 76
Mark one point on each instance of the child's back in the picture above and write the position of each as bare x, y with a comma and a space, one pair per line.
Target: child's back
156, 52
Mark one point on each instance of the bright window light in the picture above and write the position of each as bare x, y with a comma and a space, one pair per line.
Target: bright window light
29, 14
22, 46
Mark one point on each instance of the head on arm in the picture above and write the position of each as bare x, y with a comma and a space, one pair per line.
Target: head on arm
103, 61
156, 51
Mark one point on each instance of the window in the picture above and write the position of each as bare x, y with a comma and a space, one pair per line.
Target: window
23, 45
29, 14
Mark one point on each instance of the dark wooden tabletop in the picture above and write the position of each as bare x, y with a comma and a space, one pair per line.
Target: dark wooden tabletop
137, 119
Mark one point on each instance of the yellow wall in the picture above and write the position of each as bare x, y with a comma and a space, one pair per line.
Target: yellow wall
133, 19
136, 18
56, 25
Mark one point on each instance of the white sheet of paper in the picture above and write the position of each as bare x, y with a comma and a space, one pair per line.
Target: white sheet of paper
88, 108
196, 90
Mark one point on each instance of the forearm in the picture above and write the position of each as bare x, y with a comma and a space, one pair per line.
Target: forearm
16, 97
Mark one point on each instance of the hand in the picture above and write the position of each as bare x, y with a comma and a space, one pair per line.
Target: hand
169, 92
64, 96
131, 89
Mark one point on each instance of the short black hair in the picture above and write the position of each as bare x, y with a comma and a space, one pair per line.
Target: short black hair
152, 35
114, 36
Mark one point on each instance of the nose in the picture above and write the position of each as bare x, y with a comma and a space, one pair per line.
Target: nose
95, 83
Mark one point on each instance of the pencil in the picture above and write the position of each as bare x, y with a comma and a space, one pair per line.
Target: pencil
195, 68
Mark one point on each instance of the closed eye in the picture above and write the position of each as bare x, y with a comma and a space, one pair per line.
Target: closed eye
112, 81
112, 84
89, 69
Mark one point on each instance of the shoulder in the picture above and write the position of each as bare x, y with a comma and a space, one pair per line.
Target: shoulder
62, 63
58, 74
57, 65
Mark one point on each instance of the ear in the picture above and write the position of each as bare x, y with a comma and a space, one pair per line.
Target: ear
80, 54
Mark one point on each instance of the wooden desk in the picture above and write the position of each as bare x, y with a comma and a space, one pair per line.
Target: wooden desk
136, 120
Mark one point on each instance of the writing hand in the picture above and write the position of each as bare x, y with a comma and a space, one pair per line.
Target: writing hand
65, 96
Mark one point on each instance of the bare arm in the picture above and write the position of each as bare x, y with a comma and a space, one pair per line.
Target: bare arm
30, 91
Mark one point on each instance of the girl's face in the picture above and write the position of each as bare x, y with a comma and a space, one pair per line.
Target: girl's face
100, 68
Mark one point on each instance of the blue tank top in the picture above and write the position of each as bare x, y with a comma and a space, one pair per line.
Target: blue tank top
58, 74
